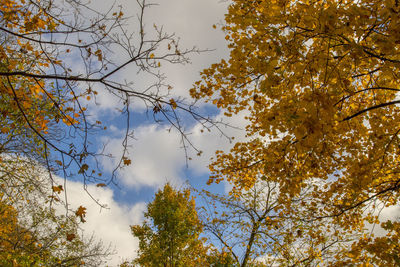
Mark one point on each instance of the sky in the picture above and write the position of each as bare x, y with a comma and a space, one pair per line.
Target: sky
156, 150
156, 153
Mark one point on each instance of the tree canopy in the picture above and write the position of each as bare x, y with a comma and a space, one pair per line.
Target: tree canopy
317, 78
170, 234
320, 82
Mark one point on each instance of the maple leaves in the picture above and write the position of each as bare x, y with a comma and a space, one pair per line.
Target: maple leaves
81, 213
320, 81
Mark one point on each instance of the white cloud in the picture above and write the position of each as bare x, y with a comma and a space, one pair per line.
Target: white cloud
209, 142
156, 157
390, 213
157, 154
385, 213
191, 21
111, 225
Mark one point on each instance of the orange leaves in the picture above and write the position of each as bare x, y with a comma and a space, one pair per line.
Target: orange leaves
16, 16
126, 161
68, 120
58, 189
24, 55
118, 14
81, 213
71, 236
5, 130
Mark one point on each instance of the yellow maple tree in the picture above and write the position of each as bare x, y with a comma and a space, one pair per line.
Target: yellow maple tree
320, 81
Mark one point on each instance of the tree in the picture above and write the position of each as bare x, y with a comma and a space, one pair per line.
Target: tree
49, 240
170, 234
17, 244
34, 230
243, 223
49, 100
220, 259
320, 81
57, 58
255, 229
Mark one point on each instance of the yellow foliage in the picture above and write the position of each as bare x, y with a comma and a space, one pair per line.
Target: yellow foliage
320, 80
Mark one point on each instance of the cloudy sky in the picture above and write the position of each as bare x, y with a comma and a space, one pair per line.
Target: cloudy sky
156, 153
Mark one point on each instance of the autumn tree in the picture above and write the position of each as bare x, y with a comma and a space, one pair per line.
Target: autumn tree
17, 244
170, 234
49, 240
255, 229
320, 82
35, 230
59, 58
243, 224
217, 258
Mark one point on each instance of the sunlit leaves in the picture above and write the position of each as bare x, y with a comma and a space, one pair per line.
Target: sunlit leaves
170, 235
320, 80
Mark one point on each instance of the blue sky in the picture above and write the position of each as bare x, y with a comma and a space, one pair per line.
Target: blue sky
156, 153
157, 156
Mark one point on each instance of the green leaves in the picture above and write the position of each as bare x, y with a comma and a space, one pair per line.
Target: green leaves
170, 234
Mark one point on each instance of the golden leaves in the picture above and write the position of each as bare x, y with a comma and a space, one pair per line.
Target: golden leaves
172, 228
99, 55
301, 69
173, 103
83, 168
